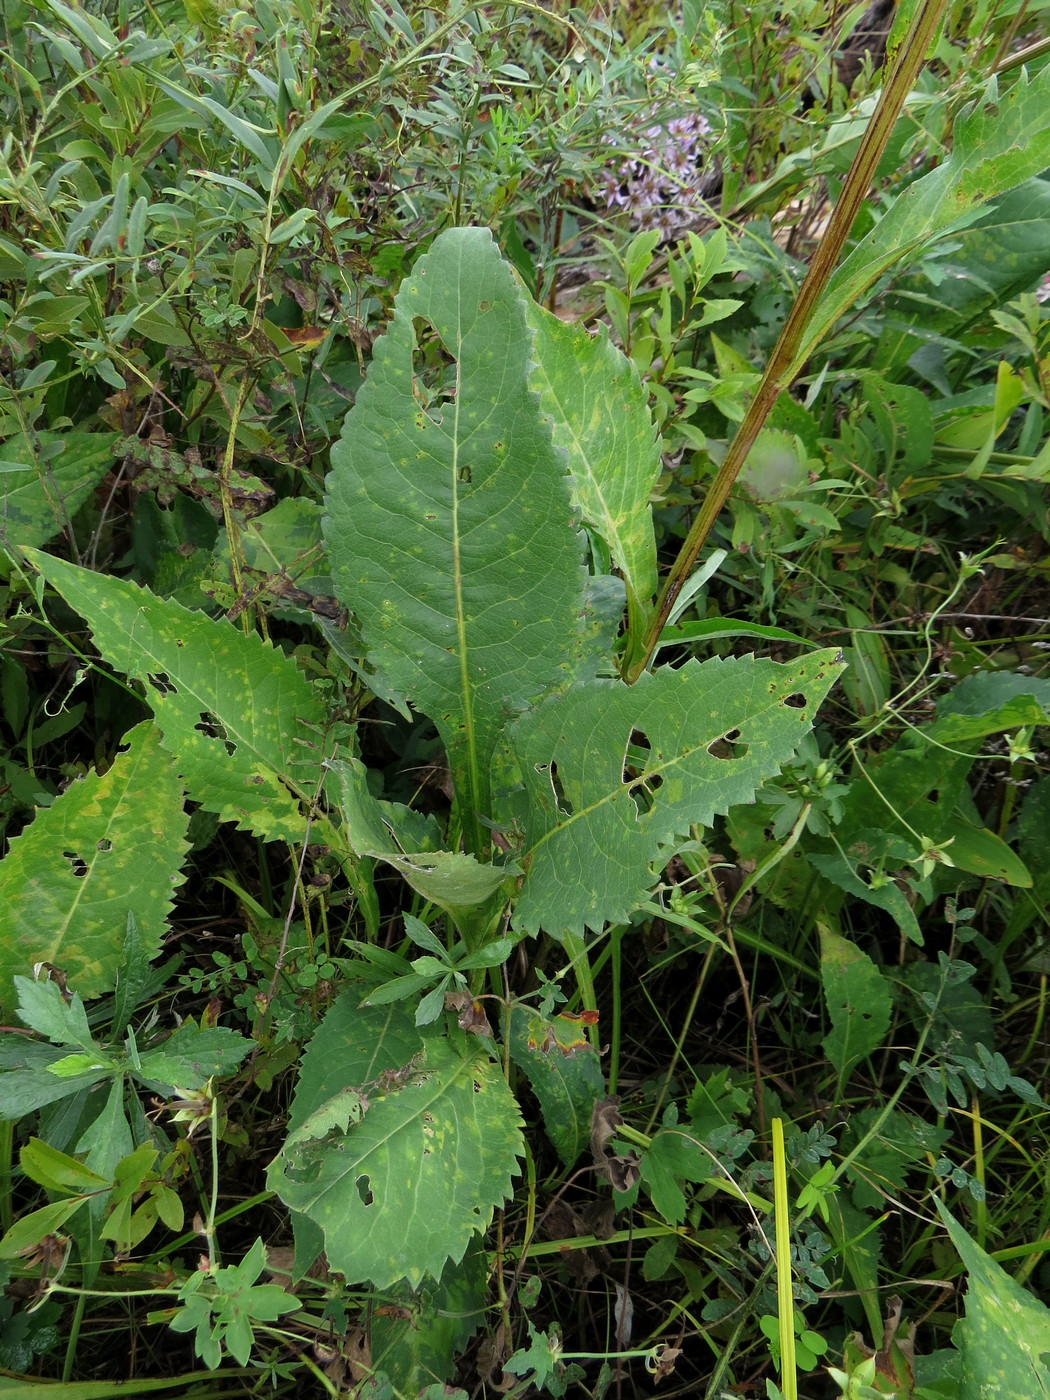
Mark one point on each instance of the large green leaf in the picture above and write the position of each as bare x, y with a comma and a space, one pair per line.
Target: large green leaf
989, 702
413, 1162
242, 720
450, 524
109, 845
701, 738
1004, 1339
61, 470
859, 1001
600, 416
999, 142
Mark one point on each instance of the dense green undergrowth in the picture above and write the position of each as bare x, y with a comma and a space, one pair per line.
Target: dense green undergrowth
524, 683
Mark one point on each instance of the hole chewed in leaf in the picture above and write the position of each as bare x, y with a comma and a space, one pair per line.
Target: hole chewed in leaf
561, 803
213, 727
565, 807
161, 682
728, 746
641, 782
796, 701
641, 794
638, 755
77, 865
435, 374
364, 1190
105, 845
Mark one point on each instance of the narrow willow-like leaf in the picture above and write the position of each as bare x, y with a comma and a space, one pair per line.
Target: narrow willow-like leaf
702, 738
995, 260
239, 716
450, 525
109, 845
600, 416
415, 1176
998, 143
1004, 1338
61, 471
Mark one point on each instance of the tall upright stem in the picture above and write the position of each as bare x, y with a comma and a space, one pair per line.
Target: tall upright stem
785, 362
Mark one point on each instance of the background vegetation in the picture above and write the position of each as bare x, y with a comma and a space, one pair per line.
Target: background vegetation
359, 925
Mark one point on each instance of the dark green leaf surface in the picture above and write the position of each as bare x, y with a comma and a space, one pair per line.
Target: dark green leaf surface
415, 1341
450, 524
192, 1056
109, 844
60, 473
26, 1084
241, 719
594, 828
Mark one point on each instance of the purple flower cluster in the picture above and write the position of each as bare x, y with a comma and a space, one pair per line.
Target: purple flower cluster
658, 188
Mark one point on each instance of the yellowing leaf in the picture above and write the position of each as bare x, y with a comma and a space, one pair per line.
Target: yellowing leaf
111, 843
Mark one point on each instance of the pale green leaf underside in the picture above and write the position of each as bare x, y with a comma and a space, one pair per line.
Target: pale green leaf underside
62, 469
107, 845
600, 417
408, 1185
592, 830
451, 879
1004, 1338
999, 142
449, 521
241, 719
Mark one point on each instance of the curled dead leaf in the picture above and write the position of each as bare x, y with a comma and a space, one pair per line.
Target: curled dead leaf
664, 1363
471, 1015
620, 1170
